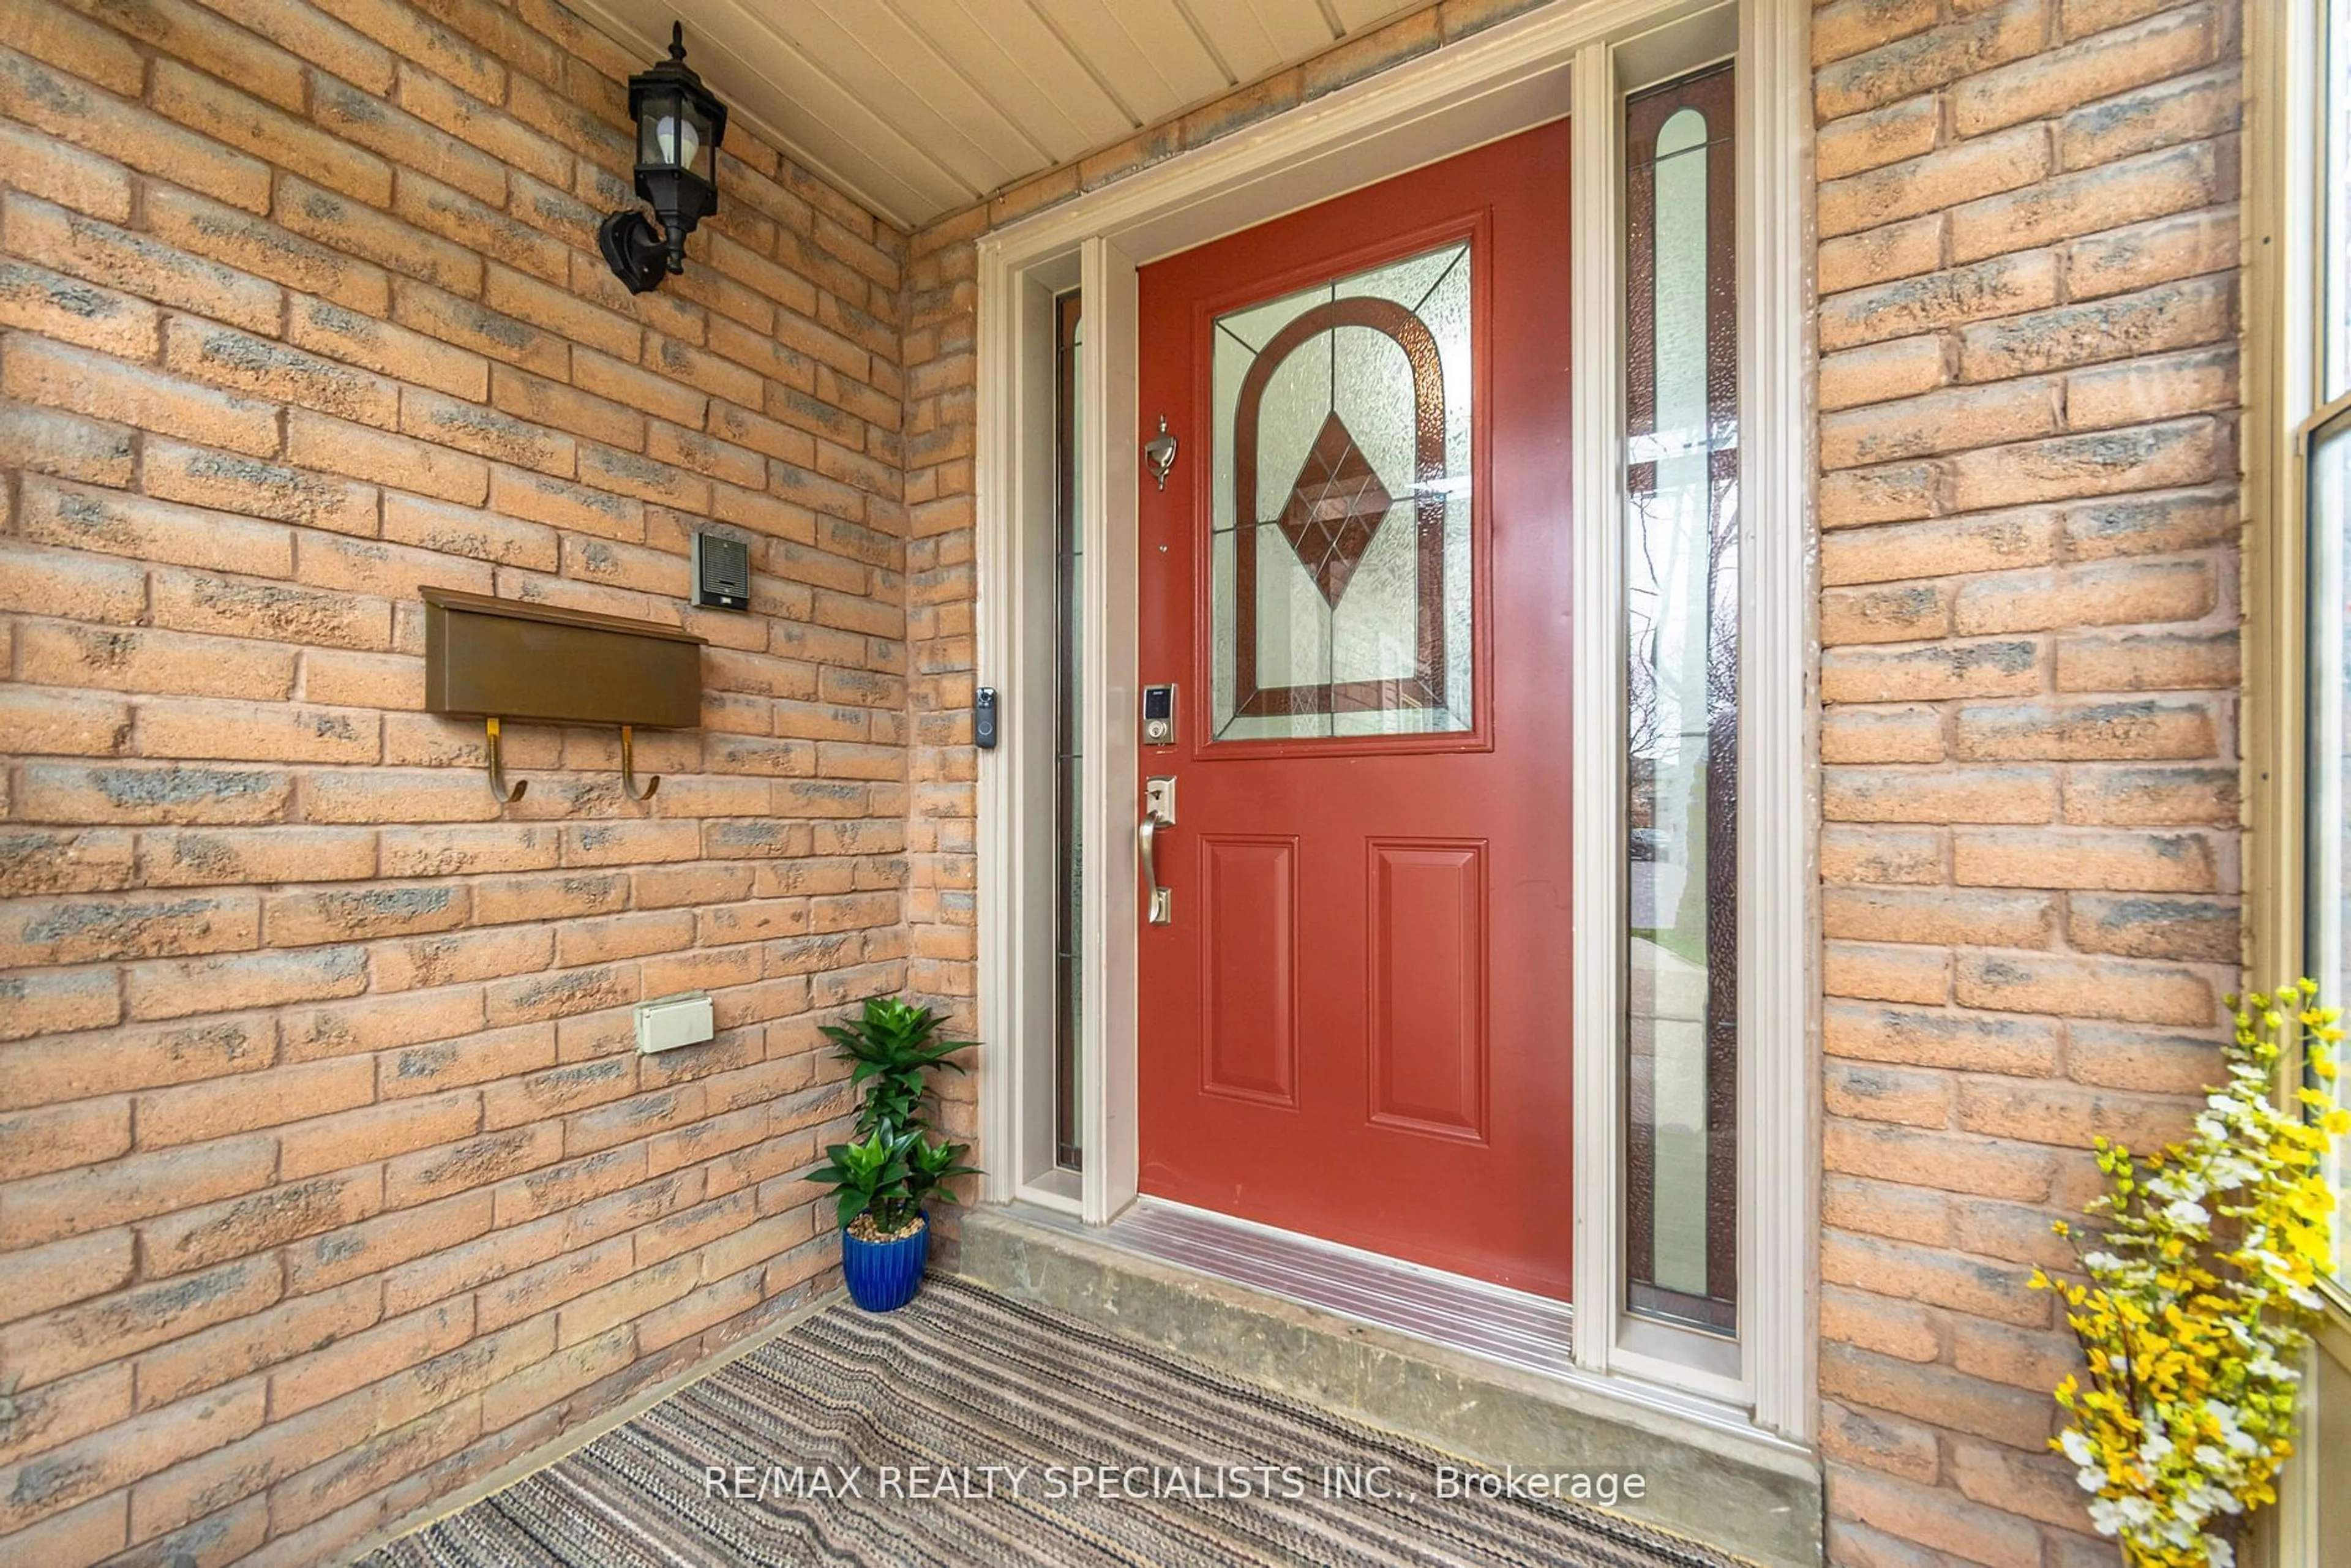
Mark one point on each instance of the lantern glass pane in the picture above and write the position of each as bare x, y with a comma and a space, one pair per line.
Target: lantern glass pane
666, 137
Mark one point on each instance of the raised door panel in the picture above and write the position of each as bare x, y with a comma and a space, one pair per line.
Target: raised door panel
1249, 888
1427, 980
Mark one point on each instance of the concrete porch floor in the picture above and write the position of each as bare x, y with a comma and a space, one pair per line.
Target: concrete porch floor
1702, 1481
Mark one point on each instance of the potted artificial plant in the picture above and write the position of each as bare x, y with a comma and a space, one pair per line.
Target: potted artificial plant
888, 1173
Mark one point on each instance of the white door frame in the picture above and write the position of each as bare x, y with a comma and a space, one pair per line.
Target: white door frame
1514, 75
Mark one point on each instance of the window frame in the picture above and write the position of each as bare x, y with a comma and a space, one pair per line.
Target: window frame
2284, 260
2284, 247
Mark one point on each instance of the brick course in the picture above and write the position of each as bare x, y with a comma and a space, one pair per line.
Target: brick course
329, 1175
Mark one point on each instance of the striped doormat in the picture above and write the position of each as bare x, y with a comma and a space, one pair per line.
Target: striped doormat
970, 1431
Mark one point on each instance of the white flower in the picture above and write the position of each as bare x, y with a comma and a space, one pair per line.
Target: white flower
2077, 1449
2187, 1211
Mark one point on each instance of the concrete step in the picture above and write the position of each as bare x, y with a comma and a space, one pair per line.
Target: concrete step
1755, 1497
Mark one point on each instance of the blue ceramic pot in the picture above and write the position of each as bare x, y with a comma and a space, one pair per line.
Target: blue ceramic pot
883, 1276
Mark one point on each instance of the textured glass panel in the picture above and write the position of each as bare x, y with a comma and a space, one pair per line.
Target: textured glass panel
1681, 719
1068, 754
1340, 569
2329, 877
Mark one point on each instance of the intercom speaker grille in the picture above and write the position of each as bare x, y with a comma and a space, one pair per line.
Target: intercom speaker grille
722, 573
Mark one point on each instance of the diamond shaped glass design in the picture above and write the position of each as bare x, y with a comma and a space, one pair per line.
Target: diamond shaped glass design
1336, 505
1341, 602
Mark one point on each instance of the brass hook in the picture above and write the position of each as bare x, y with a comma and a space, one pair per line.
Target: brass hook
498, 790
629, 767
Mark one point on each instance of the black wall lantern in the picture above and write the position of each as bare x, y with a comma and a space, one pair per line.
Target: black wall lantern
679, 126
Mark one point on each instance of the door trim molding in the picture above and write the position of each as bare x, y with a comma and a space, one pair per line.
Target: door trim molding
1511, 77
1779, 842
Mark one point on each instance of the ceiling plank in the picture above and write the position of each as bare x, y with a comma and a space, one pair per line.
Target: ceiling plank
1241, 36
872, 54
1362, 16
1144, 48
1298, 27
1010, 52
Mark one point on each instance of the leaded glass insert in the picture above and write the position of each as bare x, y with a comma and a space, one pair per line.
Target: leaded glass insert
1341, 562
1681, 742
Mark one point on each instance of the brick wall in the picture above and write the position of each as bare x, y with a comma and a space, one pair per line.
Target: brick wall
2028, 502
329, 1178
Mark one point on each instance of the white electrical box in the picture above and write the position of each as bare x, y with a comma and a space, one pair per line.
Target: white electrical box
667, 1022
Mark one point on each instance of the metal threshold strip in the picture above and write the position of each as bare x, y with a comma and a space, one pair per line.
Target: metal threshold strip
1469, 1315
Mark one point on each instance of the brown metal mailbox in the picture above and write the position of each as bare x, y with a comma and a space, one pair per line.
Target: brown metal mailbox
501, 658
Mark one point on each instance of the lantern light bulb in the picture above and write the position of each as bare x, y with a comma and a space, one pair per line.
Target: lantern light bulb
676, 140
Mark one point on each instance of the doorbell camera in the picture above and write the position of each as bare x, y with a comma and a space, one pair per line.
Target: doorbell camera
983, 718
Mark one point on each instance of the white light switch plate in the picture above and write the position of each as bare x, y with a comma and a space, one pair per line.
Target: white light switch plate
667, 1022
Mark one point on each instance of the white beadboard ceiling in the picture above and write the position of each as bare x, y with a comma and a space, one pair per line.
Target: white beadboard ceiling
920, 107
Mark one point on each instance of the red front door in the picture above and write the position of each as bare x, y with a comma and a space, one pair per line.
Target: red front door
1354, 1020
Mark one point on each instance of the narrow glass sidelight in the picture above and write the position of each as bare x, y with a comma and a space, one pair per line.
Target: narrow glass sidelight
1681, 682
1341, 567
2327, 825
1069, 589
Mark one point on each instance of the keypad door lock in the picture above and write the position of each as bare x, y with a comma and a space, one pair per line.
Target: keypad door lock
1159, 715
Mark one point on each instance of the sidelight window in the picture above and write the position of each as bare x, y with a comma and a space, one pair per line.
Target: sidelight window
1680, 551
1068, 559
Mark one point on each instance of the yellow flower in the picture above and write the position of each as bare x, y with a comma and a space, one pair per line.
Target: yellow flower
2179, 1329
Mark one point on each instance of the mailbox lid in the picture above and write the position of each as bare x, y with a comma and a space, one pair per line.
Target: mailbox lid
485, 656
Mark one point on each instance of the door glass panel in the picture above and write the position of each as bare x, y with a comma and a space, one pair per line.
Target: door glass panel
1339, 566
1681, 631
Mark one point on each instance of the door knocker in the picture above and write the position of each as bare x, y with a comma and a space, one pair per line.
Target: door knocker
1160, 452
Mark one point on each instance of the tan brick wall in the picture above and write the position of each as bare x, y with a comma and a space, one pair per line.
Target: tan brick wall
328, 1177
2029, 609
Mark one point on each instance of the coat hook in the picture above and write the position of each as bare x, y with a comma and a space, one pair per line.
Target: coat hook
629, 767
498, 789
